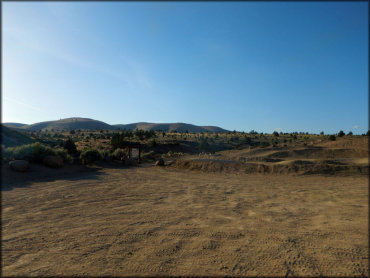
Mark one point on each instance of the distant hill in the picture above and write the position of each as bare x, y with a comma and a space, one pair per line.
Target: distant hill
11, 137
90, 124
69, 124
14, 124
180, 127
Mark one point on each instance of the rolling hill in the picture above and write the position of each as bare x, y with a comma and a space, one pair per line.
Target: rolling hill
12, 138
90, 124
14, 125
69, 124
180, 127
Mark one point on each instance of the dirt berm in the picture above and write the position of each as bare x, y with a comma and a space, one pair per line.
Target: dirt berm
290, 167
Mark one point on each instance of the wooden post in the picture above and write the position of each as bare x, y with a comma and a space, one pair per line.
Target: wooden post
128, 152
139, 159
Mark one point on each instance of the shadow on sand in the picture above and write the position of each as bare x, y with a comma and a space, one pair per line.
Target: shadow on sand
39, 173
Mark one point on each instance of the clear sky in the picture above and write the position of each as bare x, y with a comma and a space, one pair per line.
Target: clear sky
239, 65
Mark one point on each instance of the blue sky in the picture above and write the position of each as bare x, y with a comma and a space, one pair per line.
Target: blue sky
238, 65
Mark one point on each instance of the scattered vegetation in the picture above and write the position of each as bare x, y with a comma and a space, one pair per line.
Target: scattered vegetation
70, 146
34, 152
203, 144
119, 154
90, 146
89, 156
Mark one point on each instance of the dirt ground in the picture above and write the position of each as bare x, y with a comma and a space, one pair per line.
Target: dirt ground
166, 221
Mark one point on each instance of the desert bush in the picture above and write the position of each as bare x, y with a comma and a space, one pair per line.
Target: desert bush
341, 133
332, 137
119, 153
149, 155
20, 152
139, 133
89, 156
70, 146
174, 142
203, 144
118, 141
105, 155
152, 143
64, 155
276, 134
247, 140
349, 133
172, 154
264, 144
34, 152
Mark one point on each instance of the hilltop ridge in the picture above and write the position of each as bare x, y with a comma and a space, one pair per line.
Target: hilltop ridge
68, 124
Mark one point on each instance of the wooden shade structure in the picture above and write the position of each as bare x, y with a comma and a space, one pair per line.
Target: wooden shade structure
134, 146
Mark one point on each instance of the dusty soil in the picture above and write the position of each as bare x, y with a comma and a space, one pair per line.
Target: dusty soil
166, 221
345, 157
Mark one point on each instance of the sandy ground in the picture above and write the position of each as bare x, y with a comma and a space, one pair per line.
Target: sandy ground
165, 221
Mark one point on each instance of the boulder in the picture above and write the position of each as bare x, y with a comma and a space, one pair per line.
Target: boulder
53, 161
159, 162
19, 165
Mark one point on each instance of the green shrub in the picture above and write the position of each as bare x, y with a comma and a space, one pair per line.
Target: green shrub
89, 156
341, 133
152, 143
70, 146
264, 144
276, 134
118, 141
20, 152
34, 152
247, 140
332, 137
149, 155
64, 154
119, 153
203, 144
105, 155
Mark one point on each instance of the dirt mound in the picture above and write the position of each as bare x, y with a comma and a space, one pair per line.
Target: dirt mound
348, 156
320, 153
288, 167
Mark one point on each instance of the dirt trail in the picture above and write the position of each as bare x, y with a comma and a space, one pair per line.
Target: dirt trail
165, 221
